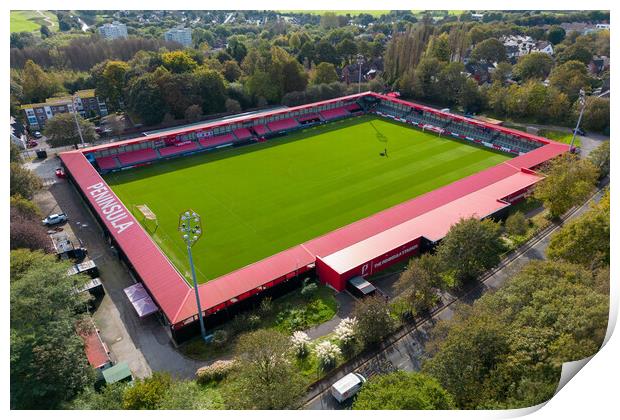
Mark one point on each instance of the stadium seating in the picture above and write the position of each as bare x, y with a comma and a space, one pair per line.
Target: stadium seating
261, 129
308, 117
242, 133
175, 150
137, 156
354, 107
217, 140
331, 114
282, 125
106, 163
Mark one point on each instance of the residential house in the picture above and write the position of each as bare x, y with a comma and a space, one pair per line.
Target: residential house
85, 102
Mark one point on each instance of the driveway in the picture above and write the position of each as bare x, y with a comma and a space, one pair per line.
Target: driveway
143, 343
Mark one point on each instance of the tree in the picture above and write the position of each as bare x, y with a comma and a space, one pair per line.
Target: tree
188, 395
24, 207
420, 282
403, 391
506, 350
490, 50
145, 99
324, 51
109, 398
146, 394
265, 378
116, 123
502, 72
232, 106
36, 84
575, 52
439, 48
324, 73
556, 34
600, 158
193, 113
536, 65
347, 49
110, 82
596, 115
231, 71
61, 130
374, 321
471, 98
15, 155
178, 62
451, 80
236, 48
470, 247
48, 366
569, 181
27, 232
569, 78
210, 87
45, 31
23, 181
586, 239
516, 224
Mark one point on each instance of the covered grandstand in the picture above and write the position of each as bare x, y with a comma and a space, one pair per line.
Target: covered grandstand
361, 248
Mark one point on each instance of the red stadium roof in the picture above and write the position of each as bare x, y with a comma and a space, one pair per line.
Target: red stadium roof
433, 224
476, 194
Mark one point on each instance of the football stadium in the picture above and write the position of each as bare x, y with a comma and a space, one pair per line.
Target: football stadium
336, 189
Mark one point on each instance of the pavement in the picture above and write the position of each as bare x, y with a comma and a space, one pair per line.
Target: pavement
143, 343
408, 352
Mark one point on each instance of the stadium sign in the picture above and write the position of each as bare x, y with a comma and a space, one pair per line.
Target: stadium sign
113, 211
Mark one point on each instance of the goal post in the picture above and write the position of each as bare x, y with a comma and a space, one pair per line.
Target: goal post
146, 216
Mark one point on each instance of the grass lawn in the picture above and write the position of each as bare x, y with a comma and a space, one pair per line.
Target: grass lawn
261, 199
289, 313
560, 136
30, 20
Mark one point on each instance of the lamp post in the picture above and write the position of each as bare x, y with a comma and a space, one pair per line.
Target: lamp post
191, 230
360, 61
77, 124
582, 101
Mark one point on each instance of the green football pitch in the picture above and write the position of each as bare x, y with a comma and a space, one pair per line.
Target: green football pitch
260, 199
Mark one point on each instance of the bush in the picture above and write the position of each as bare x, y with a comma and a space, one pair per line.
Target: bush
244, 322
220, 338
327, 353
216, 371
345, 332
300, 342
516, 224
266, 306
309, 290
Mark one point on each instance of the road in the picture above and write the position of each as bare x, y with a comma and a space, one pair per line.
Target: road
407, 353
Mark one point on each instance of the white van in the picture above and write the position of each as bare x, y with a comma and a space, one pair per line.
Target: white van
347, 386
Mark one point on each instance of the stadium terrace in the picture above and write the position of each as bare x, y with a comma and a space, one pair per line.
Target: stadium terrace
363, 247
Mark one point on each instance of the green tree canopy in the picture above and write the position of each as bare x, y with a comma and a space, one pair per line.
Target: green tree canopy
178, 61
265, 378
145, 99
569, 181
569, 78
586, 239
61, 130
324, 73
403, 391
23, 181
48, 365
420, 281
490, 50
601, 159
536, 65
374, 321
470, 247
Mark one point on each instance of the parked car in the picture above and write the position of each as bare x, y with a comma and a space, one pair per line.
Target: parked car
579, 131
37, 135
54, 219
347, 386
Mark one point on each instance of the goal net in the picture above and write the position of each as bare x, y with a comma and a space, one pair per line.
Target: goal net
146, 216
